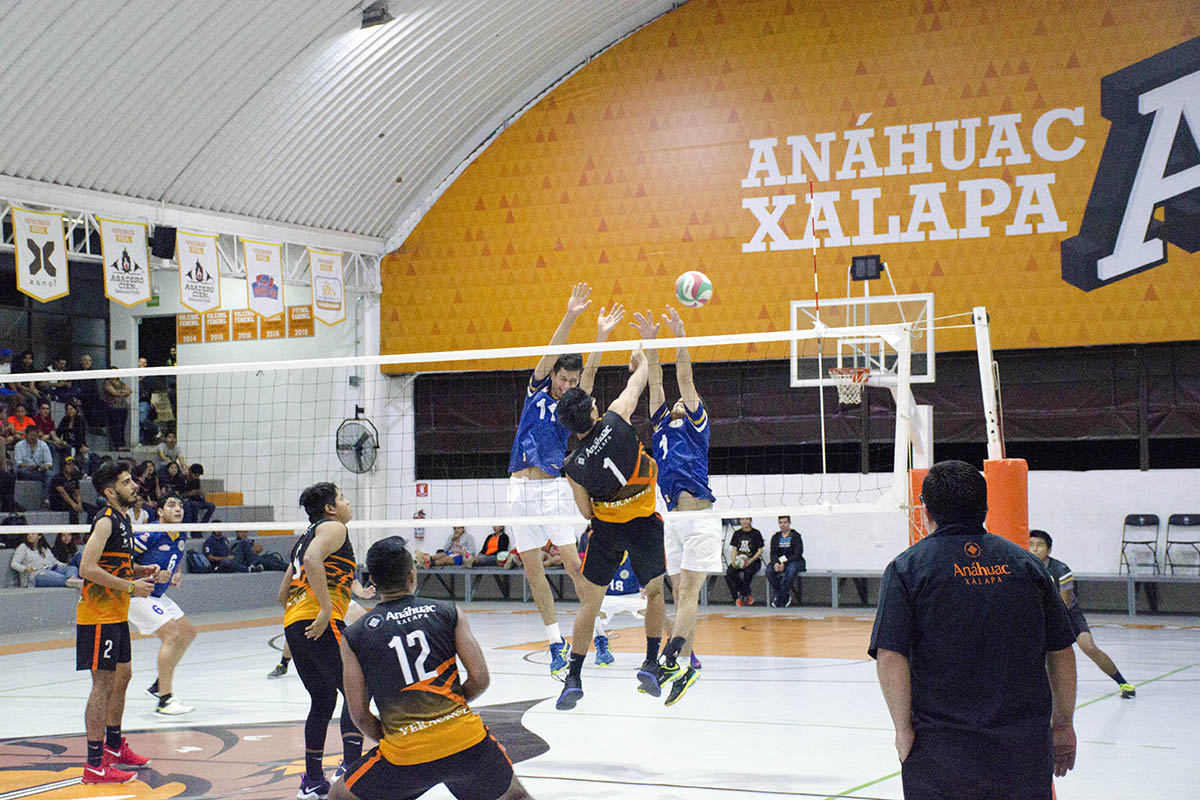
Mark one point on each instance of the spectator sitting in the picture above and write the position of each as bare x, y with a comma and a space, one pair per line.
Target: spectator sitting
787, 562
168, 452
138, 514
193, 498
72, 428
45, 423
247, 554
33, 459
30, 392
171, 479
36, 565
86, 460
59, 391
495, 548
459, 550
116, 396
148, 486
65, 549
18, 421
8, 482
216, 549
64, 492
550, 555
747, 546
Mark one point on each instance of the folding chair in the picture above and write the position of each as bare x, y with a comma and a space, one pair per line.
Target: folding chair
1140, 530
1183, 530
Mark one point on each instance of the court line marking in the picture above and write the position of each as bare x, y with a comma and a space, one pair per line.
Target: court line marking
847, 792
1142, 683
731, 789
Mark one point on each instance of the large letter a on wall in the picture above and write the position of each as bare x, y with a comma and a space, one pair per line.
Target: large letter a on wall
1151, 159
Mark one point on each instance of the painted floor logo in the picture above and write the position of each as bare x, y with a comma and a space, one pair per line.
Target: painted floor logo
1151, 160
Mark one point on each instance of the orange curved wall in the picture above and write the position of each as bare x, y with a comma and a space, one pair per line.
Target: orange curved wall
632, 171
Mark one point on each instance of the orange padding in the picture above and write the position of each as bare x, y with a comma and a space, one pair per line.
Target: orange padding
225, 498
916, 520
1008, 499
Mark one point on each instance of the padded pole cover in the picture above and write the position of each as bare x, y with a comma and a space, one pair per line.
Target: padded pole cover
1008, 498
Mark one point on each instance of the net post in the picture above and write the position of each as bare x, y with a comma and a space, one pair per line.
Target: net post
1008, 499
987, 382
904, 403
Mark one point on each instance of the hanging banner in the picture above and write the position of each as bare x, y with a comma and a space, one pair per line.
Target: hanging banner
264, 277
216, 326
245, 325
41, 254
126, 261
300, 323
328, 286
272, 327
187, 328
199, 271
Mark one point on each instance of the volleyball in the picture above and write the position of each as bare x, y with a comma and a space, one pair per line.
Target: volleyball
739, 562
693, 289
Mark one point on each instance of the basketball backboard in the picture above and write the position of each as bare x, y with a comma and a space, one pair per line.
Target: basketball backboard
861, 350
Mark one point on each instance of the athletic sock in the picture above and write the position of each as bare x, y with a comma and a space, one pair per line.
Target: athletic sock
95, 753
1118, 677
652, 645
163, 699
313, 760
672, 649
554, 634
154, 686
283, 662
351, 747
575, 670
112, 737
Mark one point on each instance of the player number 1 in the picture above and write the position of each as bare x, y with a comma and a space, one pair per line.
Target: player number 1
609, 465
414, 638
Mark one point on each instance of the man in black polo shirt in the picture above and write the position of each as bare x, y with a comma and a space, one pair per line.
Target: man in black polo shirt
974, 655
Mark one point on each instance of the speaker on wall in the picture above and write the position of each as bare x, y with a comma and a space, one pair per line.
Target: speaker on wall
163, 243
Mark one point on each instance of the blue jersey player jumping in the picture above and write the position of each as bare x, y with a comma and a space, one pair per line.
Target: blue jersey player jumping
536, 487
693, 546
159, 614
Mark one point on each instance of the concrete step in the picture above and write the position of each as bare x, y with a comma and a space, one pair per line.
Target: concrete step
212, 485
245, 514
222, 499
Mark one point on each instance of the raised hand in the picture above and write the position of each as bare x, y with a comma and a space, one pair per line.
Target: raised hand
646, 327
580, 299
606, 322
637, 357
674, 322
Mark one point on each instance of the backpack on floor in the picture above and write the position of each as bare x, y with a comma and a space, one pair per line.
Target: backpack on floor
197, 563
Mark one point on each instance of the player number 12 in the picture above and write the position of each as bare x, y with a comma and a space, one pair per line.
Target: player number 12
414, 638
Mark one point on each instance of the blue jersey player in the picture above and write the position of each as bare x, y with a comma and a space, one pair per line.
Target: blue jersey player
159, 614
693, 546
536, 487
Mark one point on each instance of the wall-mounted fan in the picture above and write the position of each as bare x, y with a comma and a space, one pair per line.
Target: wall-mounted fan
357, 443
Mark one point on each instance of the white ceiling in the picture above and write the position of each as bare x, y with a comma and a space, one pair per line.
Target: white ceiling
279, 110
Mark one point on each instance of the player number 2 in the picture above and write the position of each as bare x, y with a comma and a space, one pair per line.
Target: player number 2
610, 466
414, 638
108, 645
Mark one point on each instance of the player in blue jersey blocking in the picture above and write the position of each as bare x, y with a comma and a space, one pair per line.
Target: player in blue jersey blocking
159, 614
693, 546
536, 486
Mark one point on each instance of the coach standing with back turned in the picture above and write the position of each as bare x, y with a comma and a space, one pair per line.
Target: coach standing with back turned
974, 655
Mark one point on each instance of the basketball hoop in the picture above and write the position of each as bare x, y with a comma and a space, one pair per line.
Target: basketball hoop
850, 382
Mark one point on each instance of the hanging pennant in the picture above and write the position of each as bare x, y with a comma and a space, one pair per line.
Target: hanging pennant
199, 271
126, 261
41, 252
328, 286
264, 277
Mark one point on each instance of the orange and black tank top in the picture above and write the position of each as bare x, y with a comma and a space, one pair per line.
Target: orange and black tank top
407, 651
339, 575
619, 475
100, 605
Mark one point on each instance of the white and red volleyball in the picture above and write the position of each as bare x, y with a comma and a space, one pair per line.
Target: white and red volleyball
693, 289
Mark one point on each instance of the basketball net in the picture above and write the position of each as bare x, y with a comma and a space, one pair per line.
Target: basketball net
850, 382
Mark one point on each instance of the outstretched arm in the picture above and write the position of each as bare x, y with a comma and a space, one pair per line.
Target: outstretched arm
647, 328
683, 363
626, 403
604, 326
575, 306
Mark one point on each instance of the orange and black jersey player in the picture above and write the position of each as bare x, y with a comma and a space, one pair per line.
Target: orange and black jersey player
404, 656
316, 593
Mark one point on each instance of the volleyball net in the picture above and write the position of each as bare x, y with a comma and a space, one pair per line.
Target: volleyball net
419, 442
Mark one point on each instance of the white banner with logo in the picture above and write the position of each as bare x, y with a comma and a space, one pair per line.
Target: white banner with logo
328, 286
199, 271
126, 261
41, 252
264, 277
